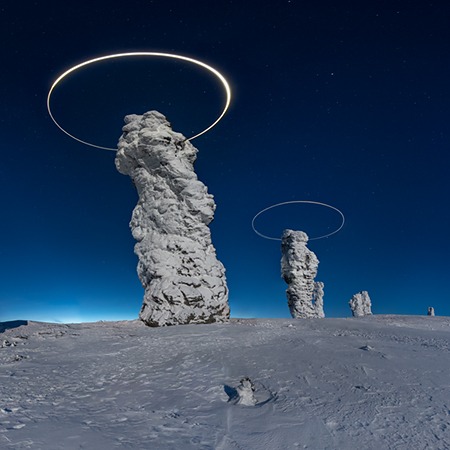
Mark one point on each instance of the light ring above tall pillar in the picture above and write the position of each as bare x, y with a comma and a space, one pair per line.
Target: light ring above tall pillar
222, 79
298, 201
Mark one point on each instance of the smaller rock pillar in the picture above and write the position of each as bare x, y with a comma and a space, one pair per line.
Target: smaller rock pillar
299, 268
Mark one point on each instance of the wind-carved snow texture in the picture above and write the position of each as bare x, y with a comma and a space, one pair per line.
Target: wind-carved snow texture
299, 268
319, 384
184, 281
360, 304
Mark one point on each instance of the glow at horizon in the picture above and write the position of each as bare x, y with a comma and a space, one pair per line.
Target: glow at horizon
122, 55
298, 201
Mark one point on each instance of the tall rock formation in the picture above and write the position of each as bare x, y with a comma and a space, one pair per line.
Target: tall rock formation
299, 268
184, 281
360, 304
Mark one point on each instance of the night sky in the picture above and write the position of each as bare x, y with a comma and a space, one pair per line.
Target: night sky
345, 103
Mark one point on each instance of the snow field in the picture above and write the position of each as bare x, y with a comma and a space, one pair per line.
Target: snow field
379, 382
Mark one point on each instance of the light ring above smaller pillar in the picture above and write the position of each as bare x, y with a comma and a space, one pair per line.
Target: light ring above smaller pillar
298, 201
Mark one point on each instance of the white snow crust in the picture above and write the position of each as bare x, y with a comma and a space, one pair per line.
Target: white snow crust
299, 269
378, 382
184, 281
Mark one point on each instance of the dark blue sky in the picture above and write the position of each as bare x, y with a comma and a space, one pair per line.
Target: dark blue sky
345, 103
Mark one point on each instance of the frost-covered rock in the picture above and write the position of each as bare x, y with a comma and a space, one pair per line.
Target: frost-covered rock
430, 311
245, 393
360, 304
318, 298
183, 280
299, 268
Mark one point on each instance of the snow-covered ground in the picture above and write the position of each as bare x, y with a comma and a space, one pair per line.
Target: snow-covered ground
380, 382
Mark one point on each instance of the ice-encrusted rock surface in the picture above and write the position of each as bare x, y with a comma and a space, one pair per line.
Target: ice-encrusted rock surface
299, 268
360, 304
318, 298
245, 393
184, 281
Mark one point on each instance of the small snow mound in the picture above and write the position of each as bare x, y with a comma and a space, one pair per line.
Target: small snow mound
366, 348
7, 343
249, 393
243, 394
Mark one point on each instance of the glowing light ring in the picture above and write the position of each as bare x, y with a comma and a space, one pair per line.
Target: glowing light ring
298, 201
121, 55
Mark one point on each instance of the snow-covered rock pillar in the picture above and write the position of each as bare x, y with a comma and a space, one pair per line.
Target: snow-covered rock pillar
360, 304
318, 298
299, 268
184, 281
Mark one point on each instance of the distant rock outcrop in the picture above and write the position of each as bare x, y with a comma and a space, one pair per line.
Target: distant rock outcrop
360, 304
183, 280
430, 311
299, 268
